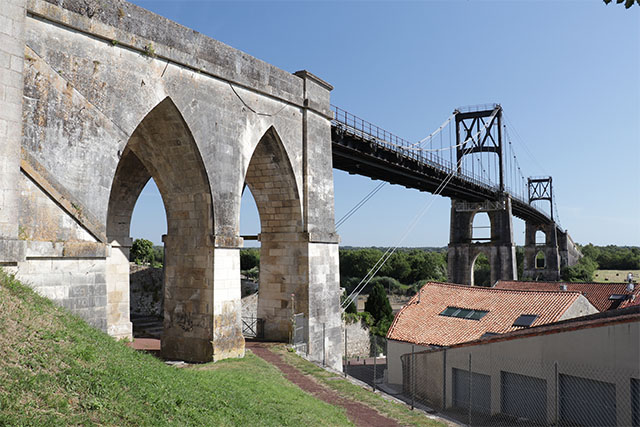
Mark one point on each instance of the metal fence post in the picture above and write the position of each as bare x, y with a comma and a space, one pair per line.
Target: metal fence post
555, 368
375, 355
413, 376
469, 394
444, 379
346, 359
324, 353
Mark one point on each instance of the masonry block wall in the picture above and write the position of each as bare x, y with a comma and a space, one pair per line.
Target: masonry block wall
100, 116
12, 41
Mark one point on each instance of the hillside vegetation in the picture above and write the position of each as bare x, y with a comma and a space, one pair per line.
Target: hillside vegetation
57, 370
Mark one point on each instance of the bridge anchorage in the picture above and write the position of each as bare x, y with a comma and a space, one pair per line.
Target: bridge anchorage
484, 177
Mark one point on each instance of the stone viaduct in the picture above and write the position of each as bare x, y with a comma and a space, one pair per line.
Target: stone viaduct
98, 97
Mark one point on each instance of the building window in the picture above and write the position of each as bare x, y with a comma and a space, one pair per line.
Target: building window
464, 313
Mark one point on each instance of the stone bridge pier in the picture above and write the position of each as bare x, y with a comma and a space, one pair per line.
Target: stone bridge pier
101, 97
544, 258
499, 248
541, 258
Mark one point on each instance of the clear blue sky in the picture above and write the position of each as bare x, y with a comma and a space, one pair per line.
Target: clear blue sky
567, 74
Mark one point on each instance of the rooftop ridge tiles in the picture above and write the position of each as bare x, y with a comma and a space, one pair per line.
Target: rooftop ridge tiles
560, 283
491, 288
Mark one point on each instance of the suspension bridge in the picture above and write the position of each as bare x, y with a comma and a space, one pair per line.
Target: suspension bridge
471, 159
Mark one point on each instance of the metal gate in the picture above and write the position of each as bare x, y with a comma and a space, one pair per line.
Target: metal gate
480, 391
587, 402
299, 332
523, 396
252, 327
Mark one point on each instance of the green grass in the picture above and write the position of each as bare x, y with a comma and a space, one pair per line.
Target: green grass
57, 370
397, 411
614, 276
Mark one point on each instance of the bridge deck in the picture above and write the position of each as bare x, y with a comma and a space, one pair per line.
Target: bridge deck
357, 152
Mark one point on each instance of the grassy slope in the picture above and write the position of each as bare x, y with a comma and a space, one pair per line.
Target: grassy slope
397, 411
56, 370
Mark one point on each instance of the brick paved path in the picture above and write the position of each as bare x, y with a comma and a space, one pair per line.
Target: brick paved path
358, 413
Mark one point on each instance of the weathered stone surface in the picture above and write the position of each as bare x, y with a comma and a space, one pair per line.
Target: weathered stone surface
12, 42
114, 96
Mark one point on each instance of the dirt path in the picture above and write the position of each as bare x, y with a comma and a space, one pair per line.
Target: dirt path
360, 414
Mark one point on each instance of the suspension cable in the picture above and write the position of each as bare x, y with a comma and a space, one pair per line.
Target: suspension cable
360, 204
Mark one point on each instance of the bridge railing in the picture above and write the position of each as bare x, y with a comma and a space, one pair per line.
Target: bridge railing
371, 133
410, 150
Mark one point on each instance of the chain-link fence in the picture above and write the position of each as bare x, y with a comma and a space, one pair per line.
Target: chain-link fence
480, 388
365, 358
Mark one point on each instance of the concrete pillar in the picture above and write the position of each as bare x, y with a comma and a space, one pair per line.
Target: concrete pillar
283, 282
551, 269
500, 250
117, 278
12, 45
227, 306
324, 316
202, 308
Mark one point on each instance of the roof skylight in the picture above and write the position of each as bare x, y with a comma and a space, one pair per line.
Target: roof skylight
464, 313
525, 320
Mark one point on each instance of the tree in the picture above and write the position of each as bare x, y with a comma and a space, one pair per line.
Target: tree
380, 309
581, 272
142, 252
627, 3
482, 271
249, 258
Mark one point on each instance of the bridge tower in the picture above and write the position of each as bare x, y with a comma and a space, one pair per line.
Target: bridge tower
541, 258
499, 248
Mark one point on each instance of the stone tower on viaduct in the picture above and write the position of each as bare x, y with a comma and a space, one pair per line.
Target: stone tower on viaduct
96, 98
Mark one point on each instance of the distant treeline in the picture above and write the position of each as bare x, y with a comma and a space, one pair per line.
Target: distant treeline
402, 272
602, 258
407, 268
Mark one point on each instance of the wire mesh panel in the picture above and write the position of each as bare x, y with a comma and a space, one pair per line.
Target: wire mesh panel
370, 367
471, 392
523, 397
481, 388
586, 402
635, 402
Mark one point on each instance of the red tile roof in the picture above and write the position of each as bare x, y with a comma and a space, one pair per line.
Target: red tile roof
597, 293
631, 314
419, 321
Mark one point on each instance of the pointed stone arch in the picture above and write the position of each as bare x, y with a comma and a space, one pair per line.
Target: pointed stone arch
283, 260
163, 148
272, 182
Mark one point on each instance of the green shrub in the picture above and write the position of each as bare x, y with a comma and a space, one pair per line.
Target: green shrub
142, 251
249, 258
